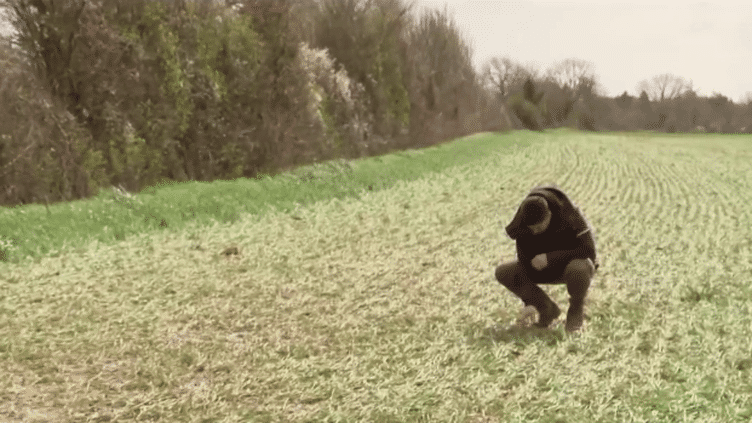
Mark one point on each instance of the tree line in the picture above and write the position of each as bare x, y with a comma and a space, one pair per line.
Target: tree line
567, 94
135, 93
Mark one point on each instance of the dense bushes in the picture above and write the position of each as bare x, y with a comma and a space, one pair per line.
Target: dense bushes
444, 91
44, 151
142, 92
365, 37
337, 103
139, 92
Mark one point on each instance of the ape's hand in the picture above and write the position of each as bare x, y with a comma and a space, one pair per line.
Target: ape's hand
539, 262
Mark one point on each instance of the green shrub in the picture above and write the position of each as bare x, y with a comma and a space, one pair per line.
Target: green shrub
336, 102
365, 37
527, 105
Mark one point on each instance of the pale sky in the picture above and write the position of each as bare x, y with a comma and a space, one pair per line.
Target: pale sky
707, 42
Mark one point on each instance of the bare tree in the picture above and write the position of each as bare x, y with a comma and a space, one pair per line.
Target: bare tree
504, 75
665, 86
746, 98
574, 75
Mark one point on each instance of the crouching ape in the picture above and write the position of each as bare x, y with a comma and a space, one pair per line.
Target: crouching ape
554, 246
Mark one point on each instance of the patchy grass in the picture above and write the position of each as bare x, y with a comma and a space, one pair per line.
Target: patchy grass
43, 230
381, 305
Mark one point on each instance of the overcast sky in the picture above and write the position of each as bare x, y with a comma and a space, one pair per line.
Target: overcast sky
707, 42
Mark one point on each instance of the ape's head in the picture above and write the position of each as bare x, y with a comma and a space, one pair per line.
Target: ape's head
532, 218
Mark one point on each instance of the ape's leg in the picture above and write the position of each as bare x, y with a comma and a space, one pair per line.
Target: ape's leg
512, 276
577, 276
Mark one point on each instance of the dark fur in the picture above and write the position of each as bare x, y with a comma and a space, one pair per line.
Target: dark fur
567, 243
559, 242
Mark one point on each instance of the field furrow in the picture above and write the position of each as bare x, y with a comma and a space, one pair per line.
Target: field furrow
385, 308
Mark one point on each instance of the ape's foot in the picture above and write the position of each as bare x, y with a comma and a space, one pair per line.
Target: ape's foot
526, 317
548, 314
574, 319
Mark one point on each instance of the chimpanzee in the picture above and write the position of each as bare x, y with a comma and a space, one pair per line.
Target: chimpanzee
555, 245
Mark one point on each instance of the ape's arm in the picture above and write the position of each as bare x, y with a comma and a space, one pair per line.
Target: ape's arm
585, 249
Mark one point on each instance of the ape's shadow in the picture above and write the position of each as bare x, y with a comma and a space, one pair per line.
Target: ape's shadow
520, 335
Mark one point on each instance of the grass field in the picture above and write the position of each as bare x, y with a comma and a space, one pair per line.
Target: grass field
379, 304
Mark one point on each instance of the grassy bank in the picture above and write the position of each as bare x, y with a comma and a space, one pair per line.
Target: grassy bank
381, 306
39, 230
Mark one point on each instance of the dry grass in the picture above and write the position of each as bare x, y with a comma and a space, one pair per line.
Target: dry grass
384, 308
